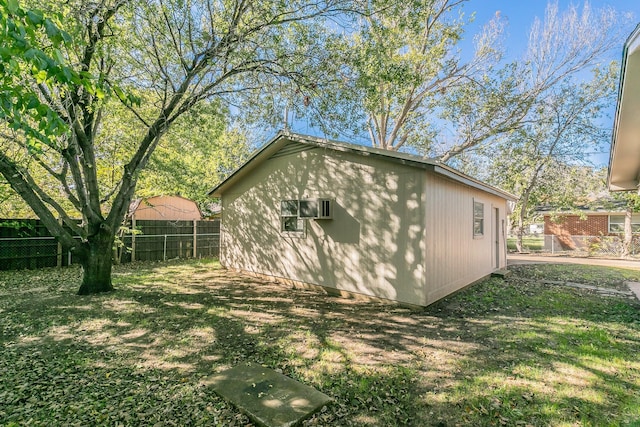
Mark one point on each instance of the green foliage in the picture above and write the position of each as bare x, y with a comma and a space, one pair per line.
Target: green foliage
198, 153
22, 52
414, 88
89, 98
629, 199
545, 162
504, 352
403, 60
11, 205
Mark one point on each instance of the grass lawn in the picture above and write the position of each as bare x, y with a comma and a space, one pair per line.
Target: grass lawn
500, 353
529, 243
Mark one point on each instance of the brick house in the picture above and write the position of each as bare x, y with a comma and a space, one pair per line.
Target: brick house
596, 224
561, 228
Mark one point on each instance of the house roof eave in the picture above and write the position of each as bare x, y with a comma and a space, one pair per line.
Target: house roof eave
624, 156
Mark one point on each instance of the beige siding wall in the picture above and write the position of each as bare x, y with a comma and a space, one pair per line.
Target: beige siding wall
454, 257
398, 232
373, 246
168, 208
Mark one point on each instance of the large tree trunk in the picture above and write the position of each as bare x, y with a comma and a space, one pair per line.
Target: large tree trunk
628, 232
521, 219
519, 235
96, 263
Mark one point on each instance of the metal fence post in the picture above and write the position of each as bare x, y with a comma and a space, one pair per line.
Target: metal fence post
133, 238
195, 237
553, 238
164, 251
59, 256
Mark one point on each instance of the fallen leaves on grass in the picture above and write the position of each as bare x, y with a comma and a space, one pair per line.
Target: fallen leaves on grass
500, 353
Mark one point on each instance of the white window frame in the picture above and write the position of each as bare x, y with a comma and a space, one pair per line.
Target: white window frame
635, 224
478, 204
289, 215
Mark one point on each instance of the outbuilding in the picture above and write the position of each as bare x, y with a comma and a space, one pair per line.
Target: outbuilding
170, 208
360, 220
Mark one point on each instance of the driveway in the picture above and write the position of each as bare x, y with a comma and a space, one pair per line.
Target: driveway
513, 259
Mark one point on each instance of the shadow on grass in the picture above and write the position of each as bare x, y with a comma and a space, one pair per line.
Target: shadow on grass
500, 353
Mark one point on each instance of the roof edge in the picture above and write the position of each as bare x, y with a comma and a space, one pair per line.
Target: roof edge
634, 37
215, 191
403, 158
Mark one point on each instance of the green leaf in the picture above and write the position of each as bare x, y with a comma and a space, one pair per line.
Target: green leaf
5, 52
134, 100
35, 16
119, 93
42, 110
33, 102
31, 53
66, 37
52, 30
57, 55
13, 6
41, 76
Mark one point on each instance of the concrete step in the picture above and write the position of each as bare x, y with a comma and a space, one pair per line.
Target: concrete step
269, 398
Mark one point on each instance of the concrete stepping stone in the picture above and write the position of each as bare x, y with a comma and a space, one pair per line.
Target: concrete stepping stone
269, 398
634, 287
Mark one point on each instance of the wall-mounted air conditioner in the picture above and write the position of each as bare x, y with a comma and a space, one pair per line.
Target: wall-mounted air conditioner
316, 209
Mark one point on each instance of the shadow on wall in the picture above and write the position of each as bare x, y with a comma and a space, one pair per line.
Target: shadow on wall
374, 244
350, 233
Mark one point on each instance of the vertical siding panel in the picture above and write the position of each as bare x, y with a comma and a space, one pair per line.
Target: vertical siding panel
453, 256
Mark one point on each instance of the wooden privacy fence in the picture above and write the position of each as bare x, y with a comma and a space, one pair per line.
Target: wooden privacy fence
27, 243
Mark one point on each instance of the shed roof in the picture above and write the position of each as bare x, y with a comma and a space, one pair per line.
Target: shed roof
285, 140
147, 202
624, 159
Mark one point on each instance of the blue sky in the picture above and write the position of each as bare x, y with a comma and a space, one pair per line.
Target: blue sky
520, 15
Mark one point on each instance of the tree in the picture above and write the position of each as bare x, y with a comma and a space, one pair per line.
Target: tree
416, 89
213, 151
543, 155
400, 61
56, 88
563, 49
538, 146
199, 150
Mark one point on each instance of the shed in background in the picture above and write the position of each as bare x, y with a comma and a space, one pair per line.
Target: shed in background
171, 208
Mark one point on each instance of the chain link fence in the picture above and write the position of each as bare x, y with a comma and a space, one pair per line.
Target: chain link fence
607, 246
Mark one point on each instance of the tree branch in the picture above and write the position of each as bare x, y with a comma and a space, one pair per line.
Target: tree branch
19, 183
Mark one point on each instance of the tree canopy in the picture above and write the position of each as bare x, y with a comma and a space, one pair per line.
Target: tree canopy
159, 60
138, 97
